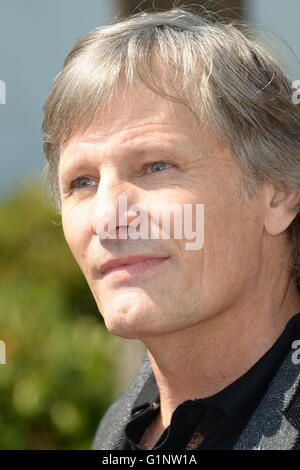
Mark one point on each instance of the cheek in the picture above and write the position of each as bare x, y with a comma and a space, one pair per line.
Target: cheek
76, 234
232, 237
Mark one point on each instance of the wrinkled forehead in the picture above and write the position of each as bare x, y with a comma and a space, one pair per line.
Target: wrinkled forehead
138, 108
134, 112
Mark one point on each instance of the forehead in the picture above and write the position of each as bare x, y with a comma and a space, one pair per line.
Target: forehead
138, 118
137, 107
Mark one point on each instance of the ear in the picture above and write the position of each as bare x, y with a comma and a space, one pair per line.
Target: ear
279, 209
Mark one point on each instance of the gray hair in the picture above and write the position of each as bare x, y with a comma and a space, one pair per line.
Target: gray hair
225, 77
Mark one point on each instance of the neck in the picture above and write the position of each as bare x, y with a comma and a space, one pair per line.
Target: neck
201, 360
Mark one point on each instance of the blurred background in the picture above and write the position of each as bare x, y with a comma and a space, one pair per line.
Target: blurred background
62, 368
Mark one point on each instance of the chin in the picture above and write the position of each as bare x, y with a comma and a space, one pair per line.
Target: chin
126, 324
126, 331
134, 325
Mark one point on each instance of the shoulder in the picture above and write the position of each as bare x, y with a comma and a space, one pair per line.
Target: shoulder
275, 424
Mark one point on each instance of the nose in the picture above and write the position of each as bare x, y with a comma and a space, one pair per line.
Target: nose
111, 212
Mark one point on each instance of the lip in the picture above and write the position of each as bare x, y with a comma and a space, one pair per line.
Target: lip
129, 266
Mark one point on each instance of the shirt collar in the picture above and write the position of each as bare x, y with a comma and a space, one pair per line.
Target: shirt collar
239, 399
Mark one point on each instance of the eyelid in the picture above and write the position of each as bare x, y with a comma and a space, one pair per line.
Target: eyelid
72, 183
148, 164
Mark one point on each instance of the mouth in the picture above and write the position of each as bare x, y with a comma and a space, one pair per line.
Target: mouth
126, 271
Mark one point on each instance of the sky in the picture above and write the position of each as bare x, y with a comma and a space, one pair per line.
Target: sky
35, 37
281, 18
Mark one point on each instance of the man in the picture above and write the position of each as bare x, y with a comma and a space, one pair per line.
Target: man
169, 108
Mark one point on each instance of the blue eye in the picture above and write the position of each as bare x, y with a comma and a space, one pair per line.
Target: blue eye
84, 182
157, 164
76, 184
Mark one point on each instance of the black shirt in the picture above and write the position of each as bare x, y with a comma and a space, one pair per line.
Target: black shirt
213, 422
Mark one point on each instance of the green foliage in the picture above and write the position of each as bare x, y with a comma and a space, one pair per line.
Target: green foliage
58, 377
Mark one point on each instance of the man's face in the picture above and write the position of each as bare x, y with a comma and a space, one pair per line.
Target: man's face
119, 158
